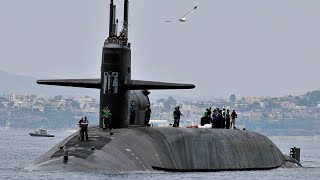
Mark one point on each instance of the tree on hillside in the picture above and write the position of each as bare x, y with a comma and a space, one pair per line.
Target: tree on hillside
232, 98
313, 98
169, 104
75, 104
254, 106
58, 98
2, 100
302, 101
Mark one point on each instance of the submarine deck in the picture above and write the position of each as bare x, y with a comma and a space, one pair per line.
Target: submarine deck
169, 149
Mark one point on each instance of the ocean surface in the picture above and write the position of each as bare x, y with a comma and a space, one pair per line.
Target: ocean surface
18, 150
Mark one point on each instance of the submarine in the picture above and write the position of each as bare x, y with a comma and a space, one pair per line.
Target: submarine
140, 148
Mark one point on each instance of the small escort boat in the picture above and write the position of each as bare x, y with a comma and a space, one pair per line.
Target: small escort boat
41, 133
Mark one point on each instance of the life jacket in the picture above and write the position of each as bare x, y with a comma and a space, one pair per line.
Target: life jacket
106, 114
176, 114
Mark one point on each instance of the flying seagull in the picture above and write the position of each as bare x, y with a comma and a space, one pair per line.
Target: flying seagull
169, 20
184, 18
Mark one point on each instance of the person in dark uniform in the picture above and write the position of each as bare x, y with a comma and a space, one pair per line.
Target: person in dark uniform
228, 119
233, 119
206, 119
81, 119
223, 118
176, 116
209, 112
147, 114
84, 128
214, 118
132, 113
218, 118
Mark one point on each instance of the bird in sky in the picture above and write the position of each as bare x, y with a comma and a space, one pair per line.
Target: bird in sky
184, 18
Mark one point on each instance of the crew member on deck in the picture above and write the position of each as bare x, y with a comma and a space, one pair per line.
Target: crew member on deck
106, 116
147, 114
81, 119
223, 119
132, 113
84, 128
209, 112
233, 119
228, 119
176, 116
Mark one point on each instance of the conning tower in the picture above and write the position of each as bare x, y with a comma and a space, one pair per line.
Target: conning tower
115, 84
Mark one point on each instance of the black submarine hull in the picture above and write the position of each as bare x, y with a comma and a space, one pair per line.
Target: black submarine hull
166, 149
150, 149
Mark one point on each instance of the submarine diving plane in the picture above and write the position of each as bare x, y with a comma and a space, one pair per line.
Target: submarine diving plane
140, 148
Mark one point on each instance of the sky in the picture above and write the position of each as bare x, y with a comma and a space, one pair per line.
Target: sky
242, 47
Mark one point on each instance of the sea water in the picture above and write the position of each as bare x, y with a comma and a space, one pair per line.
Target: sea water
18, 150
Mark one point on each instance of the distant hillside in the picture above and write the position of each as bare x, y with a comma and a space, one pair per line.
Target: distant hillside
23, 84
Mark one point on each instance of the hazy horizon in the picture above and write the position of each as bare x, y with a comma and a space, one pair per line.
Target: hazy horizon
247, 48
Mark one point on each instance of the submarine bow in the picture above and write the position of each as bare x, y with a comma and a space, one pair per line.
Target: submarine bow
166, 149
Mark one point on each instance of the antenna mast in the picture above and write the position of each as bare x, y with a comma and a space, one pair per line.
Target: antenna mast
126, 18
112, 20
